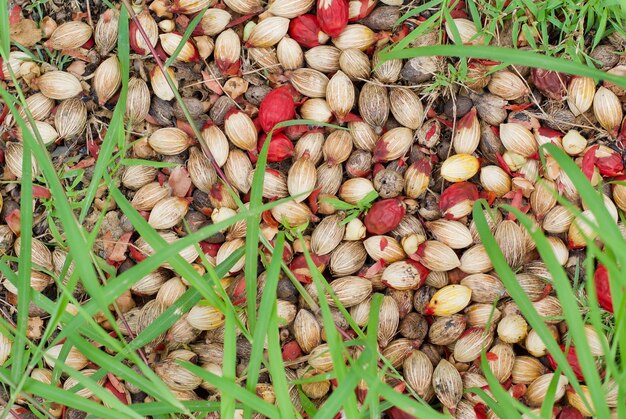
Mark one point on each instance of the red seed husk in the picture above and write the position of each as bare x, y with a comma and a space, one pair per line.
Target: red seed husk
603, 288
277, 106
306, 31
332, 16
384, 216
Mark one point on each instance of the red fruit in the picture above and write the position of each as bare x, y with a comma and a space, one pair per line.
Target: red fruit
454, 201
280, 148
277, 106
603, 288
332, 16
306, 30
572, 360
291, 351
384, 216
551, 83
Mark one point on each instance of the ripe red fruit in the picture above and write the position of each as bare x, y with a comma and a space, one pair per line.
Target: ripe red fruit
332, 16
384, 216
280, 148
306, 30
603, 288
276, 107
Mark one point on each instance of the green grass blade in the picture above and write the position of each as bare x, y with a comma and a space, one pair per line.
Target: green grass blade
190, 28
511, 56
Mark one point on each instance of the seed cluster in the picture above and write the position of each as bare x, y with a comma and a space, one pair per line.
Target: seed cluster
383, 172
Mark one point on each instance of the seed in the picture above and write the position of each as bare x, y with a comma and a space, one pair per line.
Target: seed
321, 359
160, 86
418, 372
107, 79
507, 85
534, 344
289, 54
550, 309
176, 376
328, 234
354, 63
459, 167
306, 331
290, 8
446, 330
72, 382
385, 248
355, 36
170, 43
473, 341
340, 95
597, 342
374, 105
580, 94
526, 369
538, 389
316, 110
437, 256
46, 131
347, 258
512, 329
268, 32
447, 384
292, 213
238, 169
309, 82
59, 85
71, 118
240, 129
449, 300
608, 110
205, 317
74, 359
388, 320
70, 35
227, 52
350, 290
510, 238
467, 31
404, 275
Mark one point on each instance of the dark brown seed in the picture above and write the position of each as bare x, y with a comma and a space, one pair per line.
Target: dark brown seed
383, 18
413, 326
388, 183
463, 105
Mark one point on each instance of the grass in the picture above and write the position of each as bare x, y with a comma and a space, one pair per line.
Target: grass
104, 286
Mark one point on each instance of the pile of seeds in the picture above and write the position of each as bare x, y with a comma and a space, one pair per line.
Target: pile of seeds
383, 175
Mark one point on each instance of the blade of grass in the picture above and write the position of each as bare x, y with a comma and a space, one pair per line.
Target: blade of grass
511, 56
268, 300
